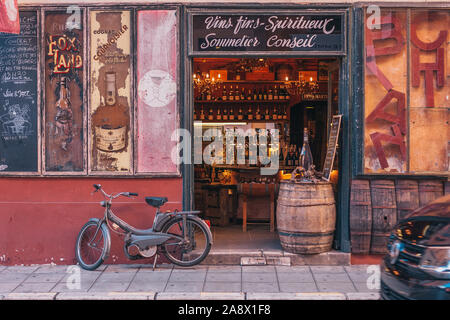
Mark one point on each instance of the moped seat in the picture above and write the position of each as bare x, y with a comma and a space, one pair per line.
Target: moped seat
156, 201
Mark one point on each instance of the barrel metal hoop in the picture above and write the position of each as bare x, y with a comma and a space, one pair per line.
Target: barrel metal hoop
305, 234
308, 205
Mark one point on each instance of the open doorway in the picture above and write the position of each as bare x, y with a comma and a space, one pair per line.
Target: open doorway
277, 99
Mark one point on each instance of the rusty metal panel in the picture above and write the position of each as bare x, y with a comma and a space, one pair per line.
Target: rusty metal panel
110, 125
429, 136
156, 113
63, 126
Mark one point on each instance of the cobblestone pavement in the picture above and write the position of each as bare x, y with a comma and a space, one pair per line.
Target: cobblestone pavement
203, 282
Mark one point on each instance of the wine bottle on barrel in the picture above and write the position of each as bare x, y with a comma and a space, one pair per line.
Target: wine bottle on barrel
306, 159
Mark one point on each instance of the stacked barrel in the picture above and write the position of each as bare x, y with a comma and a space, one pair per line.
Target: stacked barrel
377, 205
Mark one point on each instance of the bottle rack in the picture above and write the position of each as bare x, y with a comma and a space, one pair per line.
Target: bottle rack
247, 97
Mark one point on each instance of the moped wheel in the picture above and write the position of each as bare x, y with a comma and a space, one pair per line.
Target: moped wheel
92, 246
190, 252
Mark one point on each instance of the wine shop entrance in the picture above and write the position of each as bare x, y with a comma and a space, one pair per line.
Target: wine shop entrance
255, 121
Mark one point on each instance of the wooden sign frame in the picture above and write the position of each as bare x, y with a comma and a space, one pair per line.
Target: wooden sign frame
331, 146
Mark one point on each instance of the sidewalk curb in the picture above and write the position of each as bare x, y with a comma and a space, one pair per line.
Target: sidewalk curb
200, 296
114, 295
105, 296
363, 296
31, 296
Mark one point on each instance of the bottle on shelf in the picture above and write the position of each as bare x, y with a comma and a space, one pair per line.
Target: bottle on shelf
275, 94
236, 94
231, 94
280, 155
231, 114
255, 94
242, 94
238, 75
217, 96
285, 114
224, 94
306, 159
250, 113
281, 92
280, 113
225, 114
260, 94
267, 115
211, 114
249, 95
290, 157
218, 115
240, 114
270, 94
264, 95
258, 114
208, 94
275, 114
202, 114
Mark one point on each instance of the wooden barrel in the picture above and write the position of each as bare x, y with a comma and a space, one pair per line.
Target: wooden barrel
384, 213
430, 190
306, 216
407, 194
360, 216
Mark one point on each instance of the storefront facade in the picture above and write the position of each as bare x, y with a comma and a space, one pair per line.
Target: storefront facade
392, 78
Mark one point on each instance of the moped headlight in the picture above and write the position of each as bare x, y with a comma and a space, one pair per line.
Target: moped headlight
436, 261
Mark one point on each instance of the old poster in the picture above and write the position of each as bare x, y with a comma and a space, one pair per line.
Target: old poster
110, 88
19, 97
63, 89
9, 17
157, 117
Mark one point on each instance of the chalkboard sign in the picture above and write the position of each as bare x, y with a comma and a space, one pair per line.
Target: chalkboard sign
302, 31
331, 148
19, 98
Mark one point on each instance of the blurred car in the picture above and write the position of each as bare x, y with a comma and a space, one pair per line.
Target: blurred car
417, 266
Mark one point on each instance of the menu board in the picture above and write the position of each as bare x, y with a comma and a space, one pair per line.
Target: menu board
301, 31
331, 148
19, 97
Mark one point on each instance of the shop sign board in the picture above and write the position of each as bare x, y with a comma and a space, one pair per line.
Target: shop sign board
298, 32
19, 97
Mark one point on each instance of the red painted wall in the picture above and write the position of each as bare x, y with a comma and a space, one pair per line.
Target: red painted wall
40, 217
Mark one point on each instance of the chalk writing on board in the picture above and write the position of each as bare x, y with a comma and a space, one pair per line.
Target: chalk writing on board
18, 96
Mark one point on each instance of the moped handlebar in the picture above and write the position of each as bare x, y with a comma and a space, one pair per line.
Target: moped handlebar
110, 196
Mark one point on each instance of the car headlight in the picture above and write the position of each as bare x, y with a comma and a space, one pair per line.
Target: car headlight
436, 261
